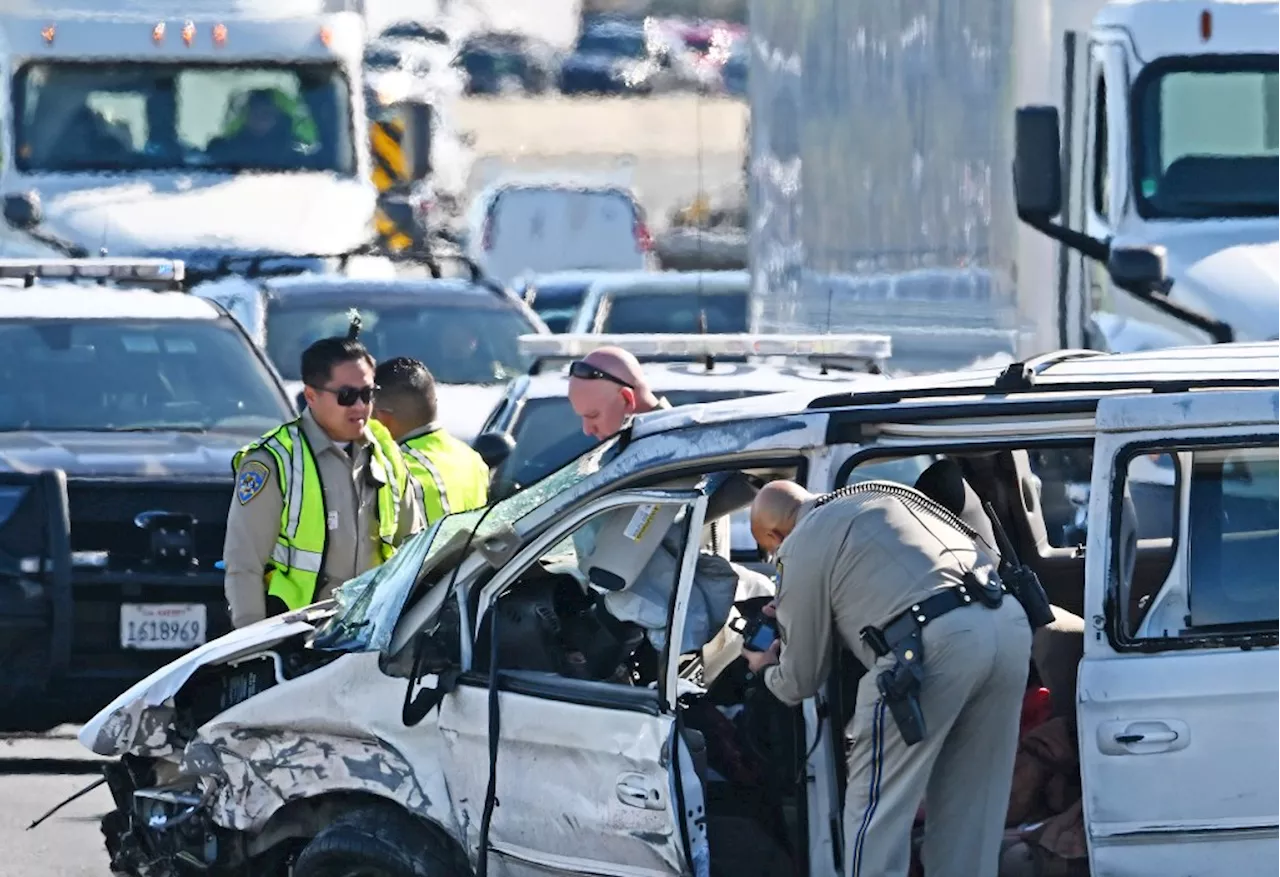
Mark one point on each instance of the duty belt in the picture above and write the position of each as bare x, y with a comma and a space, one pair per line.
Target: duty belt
908, 624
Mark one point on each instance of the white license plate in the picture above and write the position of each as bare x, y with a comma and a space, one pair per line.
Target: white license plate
162, 625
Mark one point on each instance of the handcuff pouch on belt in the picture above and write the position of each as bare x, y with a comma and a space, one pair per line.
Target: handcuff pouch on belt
899, 685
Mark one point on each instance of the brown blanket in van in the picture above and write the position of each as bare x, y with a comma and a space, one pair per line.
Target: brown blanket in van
1046, 790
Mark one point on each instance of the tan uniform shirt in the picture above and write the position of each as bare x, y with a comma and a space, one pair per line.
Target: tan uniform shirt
856, 561
351, 503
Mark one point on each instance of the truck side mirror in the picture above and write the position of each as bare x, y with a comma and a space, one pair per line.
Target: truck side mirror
494, 448
1037, 164
1140, 270
23, 211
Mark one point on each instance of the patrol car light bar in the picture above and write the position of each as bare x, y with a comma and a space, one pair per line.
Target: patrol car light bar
140, 270
852, 346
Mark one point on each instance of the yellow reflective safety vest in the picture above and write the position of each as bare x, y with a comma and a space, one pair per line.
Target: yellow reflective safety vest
453, 476
298, 557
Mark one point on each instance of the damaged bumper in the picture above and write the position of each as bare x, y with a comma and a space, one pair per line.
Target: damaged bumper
209, 810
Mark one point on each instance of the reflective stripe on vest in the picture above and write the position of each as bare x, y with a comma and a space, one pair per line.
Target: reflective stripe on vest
454, 477
298, 556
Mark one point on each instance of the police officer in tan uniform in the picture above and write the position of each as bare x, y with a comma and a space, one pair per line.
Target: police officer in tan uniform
915, 598
321, 499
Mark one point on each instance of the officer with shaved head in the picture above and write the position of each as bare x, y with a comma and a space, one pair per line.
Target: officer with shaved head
912, 591
607, 388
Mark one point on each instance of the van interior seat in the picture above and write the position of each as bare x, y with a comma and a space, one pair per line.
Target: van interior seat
945, 484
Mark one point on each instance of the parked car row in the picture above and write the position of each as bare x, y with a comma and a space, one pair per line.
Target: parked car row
610, 56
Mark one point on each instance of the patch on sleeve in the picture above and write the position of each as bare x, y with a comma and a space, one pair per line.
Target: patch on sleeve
252, 479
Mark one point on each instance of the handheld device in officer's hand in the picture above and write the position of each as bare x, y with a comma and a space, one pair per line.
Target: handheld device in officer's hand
760, 633
1021, 580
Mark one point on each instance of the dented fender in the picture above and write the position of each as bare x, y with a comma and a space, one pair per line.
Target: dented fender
336, 729
256, 771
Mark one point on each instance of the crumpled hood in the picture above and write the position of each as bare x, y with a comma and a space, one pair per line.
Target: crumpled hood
296, 213
140, 717
124, 454
1231, 272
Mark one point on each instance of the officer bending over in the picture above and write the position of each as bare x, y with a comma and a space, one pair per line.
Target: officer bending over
320, 499
453, 477
912, 595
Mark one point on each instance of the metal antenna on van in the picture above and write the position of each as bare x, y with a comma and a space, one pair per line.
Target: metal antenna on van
709, 360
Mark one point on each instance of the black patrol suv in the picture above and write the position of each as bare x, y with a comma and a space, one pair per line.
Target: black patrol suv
120, 409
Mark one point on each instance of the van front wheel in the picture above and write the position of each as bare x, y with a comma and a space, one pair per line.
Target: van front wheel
373, 842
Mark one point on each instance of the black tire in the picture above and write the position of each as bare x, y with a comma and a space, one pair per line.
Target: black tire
374, 842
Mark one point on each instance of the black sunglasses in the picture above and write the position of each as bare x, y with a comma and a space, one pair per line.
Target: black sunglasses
348, 396
588, 372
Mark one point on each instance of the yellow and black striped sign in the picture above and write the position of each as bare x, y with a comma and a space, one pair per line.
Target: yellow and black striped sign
390, 172
390, 236
386, 141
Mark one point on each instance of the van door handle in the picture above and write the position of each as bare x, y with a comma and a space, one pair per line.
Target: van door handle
1142, 737
1158, 737
635, 791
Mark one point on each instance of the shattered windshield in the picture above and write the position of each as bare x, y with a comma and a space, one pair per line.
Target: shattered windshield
370, 605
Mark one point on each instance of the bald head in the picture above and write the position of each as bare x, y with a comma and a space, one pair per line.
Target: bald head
613, 389
774, 511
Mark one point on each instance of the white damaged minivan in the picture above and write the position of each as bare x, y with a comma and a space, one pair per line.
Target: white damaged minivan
467, 708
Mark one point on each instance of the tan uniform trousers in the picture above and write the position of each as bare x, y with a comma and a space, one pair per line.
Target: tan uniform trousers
976, 662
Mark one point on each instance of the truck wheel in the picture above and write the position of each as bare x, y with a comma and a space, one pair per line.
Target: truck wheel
373, 842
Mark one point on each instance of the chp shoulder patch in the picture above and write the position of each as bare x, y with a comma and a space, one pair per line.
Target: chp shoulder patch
253, 477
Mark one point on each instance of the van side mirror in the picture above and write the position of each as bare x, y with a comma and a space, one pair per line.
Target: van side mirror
301, 401
494, 448
23, 211
1037, 162
1141, 270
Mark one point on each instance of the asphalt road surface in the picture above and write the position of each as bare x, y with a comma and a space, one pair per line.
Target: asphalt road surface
35, 774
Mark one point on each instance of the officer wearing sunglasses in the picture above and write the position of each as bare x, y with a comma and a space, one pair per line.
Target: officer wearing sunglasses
606, 388
320, 499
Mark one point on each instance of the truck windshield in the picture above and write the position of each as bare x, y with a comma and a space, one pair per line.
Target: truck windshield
1207, 141
75, 117
132, 375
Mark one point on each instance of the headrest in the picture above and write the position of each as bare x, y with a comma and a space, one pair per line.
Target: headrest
734, 492
944, 483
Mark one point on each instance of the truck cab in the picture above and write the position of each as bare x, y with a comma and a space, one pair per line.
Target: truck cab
235, 142
1160, 166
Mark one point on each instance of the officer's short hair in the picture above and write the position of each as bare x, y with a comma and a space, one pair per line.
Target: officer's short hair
407, 389
319, 359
